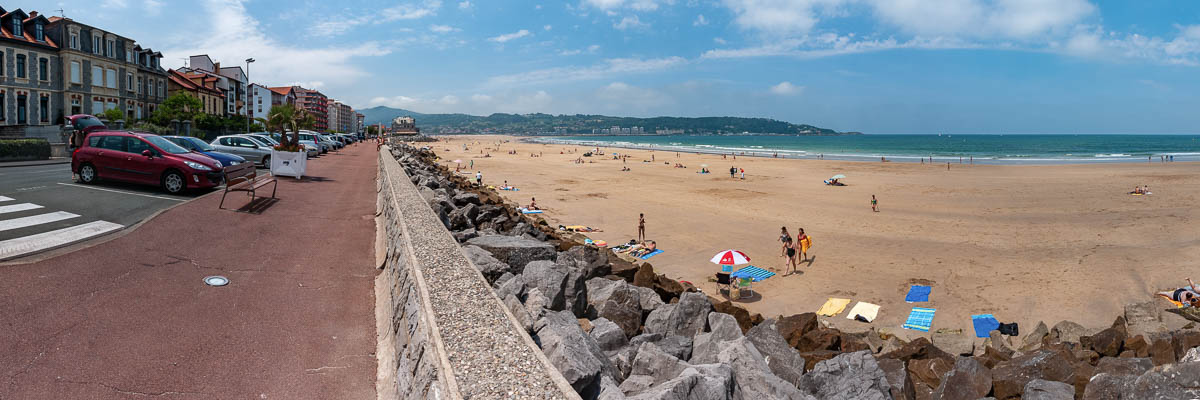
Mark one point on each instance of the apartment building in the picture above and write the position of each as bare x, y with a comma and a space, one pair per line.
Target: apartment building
316, 104
199, 85
30, 76
358, 122
341, 117
283, 95
102, 70
260, 101
232, 81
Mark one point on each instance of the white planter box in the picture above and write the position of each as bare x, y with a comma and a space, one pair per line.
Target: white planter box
284, 163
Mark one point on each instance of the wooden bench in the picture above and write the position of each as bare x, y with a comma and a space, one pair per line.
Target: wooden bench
244, 177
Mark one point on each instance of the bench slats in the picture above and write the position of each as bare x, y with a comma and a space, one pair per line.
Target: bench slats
244, 178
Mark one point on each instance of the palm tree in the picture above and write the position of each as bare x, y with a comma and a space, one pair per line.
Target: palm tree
285, 118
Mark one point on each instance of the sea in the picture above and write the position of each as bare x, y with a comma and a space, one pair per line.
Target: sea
979, 148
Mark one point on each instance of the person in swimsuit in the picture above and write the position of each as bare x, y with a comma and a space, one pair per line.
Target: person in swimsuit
874, 204
641, 227
1188, 296
532, 204
803, 242
786, 250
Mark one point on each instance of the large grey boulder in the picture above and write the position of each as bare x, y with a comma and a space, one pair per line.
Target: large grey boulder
465, 198
617, 301
1105, 386
1143, 318
515, 251
1009, 377
702, 382
514, 286
956, 344
707, 346
1040, 389
575, 354
550, 279
897, 376
1124, 366
653, 362
519, 312
847, 376
575, 290
609, 390
969, 379
1170, 381
650, 300
463, 218
1067, 331
592, 261
608, 335
686, 318
784, 361
752, 378
537, 305
491, 268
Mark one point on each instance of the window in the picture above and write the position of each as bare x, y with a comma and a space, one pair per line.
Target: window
138, 112
116, 143
129, 86
75, 41
3, 105
21, 109
1, 63
162, 91
111, 49
139, 85
97, 107
129, 56
97, 76
44, 108
136, 145
37, 32
20, 65
112, 78
16, 22
96, 46
76, 107
43, 69
75, 76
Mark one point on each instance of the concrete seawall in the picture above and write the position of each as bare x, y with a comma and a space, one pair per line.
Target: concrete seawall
443, 333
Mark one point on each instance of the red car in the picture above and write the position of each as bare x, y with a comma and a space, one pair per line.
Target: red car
143, 158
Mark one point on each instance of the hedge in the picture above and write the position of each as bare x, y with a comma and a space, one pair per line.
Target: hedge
24, 149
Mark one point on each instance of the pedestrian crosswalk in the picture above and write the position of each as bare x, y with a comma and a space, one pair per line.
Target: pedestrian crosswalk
26, 228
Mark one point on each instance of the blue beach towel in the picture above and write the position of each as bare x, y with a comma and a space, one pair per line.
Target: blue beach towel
651, 254
525, 211
918, 293
920, 319
755, 274
984, 324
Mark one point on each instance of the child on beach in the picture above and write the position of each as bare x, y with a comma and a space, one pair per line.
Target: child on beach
874, 204
788, 251
743, 171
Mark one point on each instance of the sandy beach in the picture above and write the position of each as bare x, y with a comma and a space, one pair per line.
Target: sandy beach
1025, 243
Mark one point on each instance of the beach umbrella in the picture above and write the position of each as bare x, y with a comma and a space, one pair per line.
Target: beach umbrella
458, 161
838, 176
730, 257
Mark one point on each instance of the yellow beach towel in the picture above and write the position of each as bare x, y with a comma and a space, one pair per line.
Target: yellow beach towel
865, 309
833, 307
806, 243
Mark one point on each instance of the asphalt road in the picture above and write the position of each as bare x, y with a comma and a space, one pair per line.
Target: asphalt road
42, 208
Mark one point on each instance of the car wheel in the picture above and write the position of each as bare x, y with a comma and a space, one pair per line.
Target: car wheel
266, 161
87, 173
173, 182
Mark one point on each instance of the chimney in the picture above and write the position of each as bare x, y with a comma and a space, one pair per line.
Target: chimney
33, 14
216, 67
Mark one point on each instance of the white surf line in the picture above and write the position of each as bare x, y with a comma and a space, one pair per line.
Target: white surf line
2, 198
42, 241
18, 207
17, 223
119, 191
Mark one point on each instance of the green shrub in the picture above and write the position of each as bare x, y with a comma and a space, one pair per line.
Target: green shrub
24, 149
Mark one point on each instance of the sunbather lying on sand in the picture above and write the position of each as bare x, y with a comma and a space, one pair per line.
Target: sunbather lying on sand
1188, 296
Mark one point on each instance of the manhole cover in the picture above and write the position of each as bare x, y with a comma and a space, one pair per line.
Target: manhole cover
216, 280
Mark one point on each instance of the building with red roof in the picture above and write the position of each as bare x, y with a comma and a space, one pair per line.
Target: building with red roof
30, 90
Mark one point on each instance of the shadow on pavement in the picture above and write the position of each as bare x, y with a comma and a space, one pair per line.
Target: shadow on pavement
258, 205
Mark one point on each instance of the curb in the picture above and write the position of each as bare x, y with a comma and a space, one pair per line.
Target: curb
14, 164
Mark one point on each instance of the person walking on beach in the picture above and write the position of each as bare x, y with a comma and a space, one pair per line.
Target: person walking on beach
788, 249
479, 178
641, 227
732, 172
874, 204
743, 171
472, 164
804, 242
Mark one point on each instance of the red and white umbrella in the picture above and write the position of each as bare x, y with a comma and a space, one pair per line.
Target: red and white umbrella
731, 257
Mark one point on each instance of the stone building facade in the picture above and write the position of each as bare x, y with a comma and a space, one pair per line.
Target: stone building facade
30, 77
101, 70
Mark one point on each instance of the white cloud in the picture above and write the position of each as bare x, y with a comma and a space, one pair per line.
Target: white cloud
629, 22
593, 48
700, 20
509, 36
114, 4
152, 7
442, 28
1093, 42
233, 35
611, 67
621, 96
638, 5
718, 40
481, 98
786, 88
831, 44
548, 27
1012, 19
465, 5
338, 25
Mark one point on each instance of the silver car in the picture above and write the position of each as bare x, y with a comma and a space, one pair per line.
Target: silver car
248, 148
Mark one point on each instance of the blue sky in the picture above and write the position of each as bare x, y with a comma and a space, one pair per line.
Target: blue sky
877, 66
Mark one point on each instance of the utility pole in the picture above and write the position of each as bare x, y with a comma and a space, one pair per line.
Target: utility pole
249, 98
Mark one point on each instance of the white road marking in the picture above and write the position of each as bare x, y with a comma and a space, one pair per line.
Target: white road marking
18, 207
119, 191
33, 243
17, 223
2, 198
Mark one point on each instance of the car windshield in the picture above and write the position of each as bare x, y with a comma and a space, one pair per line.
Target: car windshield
165, 144
87, 122
258, 141
200, 145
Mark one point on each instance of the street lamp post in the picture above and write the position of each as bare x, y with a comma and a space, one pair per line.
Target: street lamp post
249, 97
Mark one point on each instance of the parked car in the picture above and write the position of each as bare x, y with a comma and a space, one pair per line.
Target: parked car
143, 158
336, 145
309, 150
245, 147
348, 137
200, 146
309, 142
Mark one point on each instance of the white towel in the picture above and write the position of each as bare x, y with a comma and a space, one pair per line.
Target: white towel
865, 309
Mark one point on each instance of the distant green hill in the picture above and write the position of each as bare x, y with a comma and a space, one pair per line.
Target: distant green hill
546, 124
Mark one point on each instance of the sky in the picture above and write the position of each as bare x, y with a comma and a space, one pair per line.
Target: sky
875, 66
